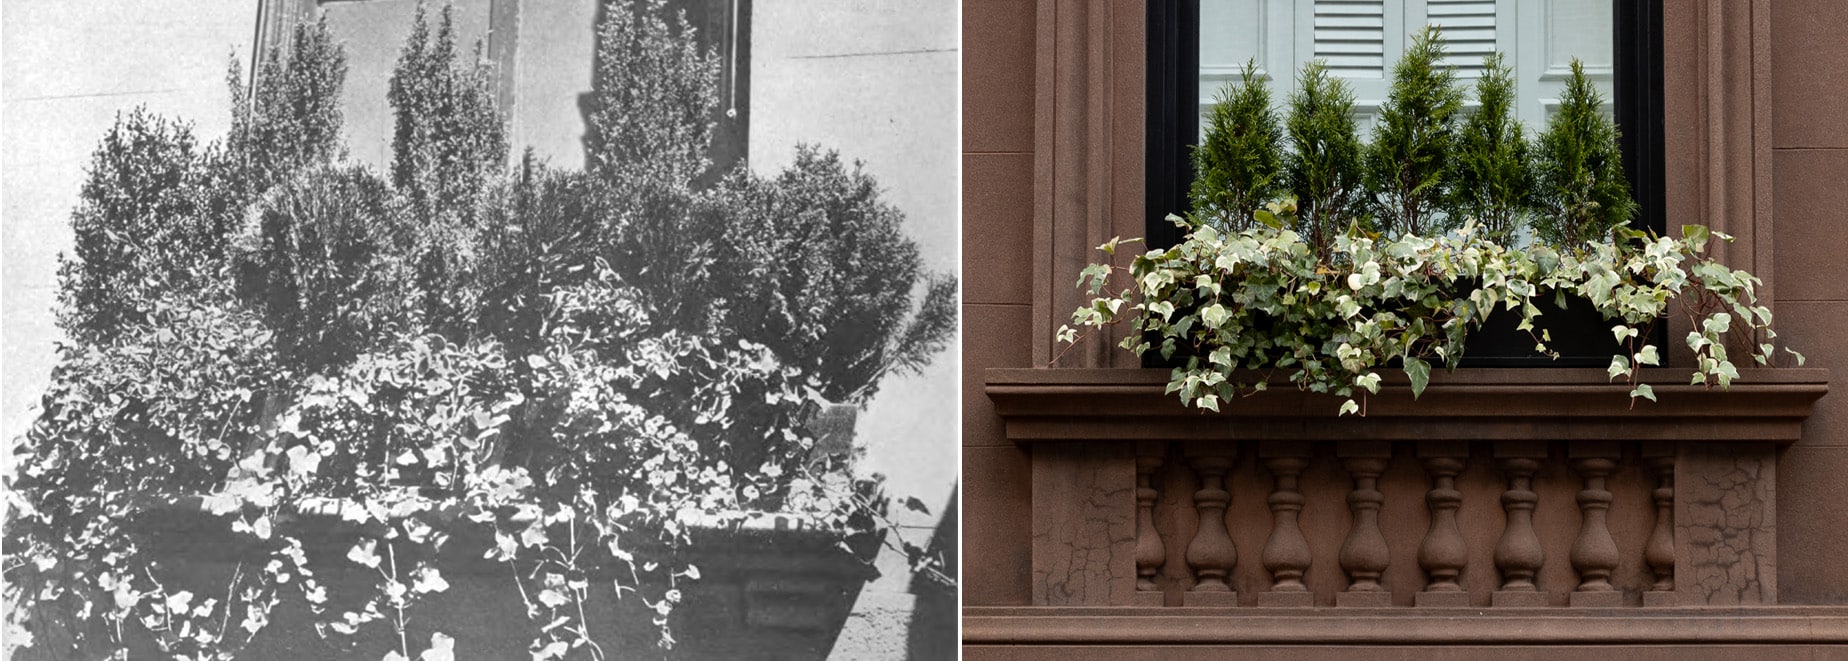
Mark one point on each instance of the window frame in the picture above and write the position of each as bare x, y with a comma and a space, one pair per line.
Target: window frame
1172, 127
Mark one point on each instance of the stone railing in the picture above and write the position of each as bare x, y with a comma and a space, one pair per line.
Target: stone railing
1498, 488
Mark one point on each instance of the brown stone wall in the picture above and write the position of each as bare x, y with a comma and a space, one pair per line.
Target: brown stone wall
1758, 130
998, 210
1809, 147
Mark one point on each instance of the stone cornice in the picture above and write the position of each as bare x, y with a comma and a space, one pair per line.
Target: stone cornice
1452, 626
1470, 404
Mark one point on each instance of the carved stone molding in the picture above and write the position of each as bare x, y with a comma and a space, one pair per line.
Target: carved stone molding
1518, 554
1101, 438
1443, 553
1286, 554
1480, 404
1364, 554
1150, 552
1211, 554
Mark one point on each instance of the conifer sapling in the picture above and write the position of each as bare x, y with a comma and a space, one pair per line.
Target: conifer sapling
1582, 191
1490, 178
1405, 164
1237, 165
1323, 172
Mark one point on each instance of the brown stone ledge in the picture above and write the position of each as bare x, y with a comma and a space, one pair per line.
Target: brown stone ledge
1471, 404
1775, 625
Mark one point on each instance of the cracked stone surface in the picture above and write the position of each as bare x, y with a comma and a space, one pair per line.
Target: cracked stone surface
1084, 525
1727, 524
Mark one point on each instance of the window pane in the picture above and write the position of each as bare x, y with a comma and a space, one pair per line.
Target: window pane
1361, 39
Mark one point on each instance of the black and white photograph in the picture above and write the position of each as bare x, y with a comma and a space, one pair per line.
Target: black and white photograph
424, 330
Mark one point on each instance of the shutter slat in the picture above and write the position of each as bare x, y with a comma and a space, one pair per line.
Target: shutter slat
1350, 36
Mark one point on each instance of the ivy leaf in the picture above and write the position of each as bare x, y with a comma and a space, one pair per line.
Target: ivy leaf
1215, 315
442, 648
365, 553
429, 580
554, 650
1420, 373
178, 601
1349, 407
1620, 366
1648, 356
912, 503
1643, 390
1696, 236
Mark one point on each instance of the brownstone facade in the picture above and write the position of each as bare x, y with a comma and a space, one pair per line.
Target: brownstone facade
1524, 513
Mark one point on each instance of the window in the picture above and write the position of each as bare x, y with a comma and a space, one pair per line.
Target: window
1194, 46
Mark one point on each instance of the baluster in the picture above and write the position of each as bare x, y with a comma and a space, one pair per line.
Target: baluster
1211, 554
1286, 553
1594, 553
1150, 553
1442, 555
1518, 555
1364, 554
1660, 551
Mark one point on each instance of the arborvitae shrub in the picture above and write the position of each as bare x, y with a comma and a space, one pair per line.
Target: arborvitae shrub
322, 258
1324, 171
290, 121
448, 146
1582, 192
1491, 179
1405, 165
817, 267
139, 234
448, 140
1237, 166
654, 97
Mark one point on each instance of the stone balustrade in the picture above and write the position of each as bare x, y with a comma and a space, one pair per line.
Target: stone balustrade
1498, 489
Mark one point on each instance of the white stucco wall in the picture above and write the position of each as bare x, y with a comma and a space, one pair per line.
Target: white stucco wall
66, 68
878, 81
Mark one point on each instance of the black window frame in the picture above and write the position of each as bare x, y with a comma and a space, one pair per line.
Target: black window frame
1172, 127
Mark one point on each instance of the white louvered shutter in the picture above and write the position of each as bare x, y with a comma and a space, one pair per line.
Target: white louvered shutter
1361, 40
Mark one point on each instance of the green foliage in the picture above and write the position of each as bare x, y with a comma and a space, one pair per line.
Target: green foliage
448, 139
448, 144
1324, 171
820, 271
320, 259
1405, 165
1582, 192
1492, 180
1242, 308
655, 94
1310, 296
1238, 163
138, 234
291, 120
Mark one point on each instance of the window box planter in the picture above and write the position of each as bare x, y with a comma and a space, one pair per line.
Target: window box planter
768, 583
